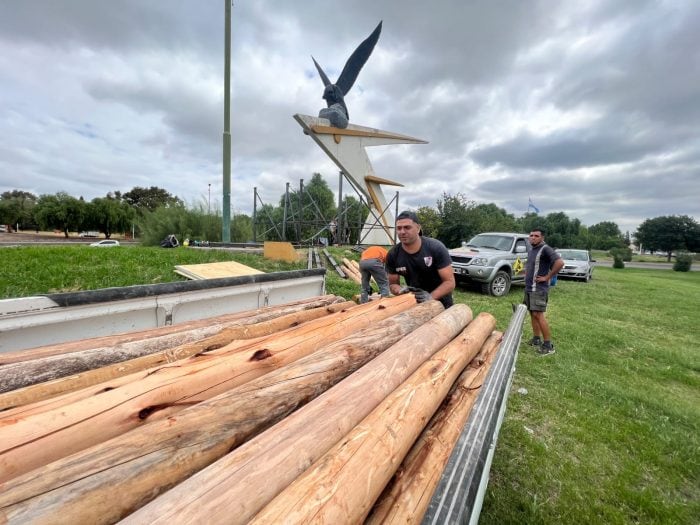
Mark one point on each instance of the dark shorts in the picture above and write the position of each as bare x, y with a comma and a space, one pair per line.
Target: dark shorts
536, 301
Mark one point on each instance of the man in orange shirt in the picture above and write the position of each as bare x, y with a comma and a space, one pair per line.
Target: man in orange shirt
372, 265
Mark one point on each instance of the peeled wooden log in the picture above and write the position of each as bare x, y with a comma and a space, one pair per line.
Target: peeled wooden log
351, 268
353, 265
141, 337
354, 278
27, 443
342, 486
408, 495
42, 391
242, 482
21, 374
480, 358
350, 271
148, 460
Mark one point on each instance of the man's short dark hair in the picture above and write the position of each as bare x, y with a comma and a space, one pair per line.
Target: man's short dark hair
408, 214
537, 229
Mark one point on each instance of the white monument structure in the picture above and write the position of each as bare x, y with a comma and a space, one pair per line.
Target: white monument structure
345, 143
346, 147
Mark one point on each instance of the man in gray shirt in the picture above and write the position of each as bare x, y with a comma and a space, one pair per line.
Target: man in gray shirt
542, 264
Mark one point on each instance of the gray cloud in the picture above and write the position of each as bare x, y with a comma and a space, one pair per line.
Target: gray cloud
591, 109
601, 145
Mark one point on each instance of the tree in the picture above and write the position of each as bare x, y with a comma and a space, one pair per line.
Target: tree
150, 198
491, 218
60, 211
455, 225
351, 218
606, 235
16, 208
268, 223
108, 215
310, 214
429, 220
241, 228
560, 230
669, 233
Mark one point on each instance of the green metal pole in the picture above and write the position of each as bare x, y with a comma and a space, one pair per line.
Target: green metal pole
226, 217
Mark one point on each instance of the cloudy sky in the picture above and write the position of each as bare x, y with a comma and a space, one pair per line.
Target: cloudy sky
588, 107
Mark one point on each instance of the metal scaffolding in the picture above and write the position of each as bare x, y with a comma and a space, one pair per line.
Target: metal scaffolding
340, 229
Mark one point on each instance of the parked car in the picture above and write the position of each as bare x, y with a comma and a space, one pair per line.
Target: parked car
577, 264
89, 234
105, 243
491, 260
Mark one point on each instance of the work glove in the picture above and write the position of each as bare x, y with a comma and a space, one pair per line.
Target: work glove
420, 295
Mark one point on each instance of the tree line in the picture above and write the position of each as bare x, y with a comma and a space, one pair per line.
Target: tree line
309, 212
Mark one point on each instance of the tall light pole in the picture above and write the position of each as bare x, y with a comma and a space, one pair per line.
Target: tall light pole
209, 203
226, 215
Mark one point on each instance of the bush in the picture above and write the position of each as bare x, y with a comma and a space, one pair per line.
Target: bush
618, 263
683, 262
624, 253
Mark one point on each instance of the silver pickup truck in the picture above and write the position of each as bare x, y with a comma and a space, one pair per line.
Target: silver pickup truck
493, 260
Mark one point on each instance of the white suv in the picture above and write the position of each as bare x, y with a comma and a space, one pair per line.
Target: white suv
493, 260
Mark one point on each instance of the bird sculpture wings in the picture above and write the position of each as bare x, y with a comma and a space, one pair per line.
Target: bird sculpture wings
334, 94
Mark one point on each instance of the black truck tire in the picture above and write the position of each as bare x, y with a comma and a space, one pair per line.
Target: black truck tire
499, 285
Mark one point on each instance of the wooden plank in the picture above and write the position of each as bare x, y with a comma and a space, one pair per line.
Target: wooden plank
145, 461
281, 251
215, 270
26, 443
407, 497
242, 482
335, 264
342, 486
317, 258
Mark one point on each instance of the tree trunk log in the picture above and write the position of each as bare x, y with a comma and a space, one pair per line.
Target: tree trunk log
148, 460
351, 271
25, 373
409, 493
242, 482
42, 391
342, 486
27, 443
109, 341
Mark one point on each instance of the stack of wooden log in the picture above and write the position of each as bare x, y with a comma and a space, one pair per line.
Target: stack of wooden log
320, 410
352, 270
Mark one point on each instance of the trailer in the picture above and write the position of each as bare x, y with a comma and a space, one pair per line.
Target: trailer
36, 321
29, 322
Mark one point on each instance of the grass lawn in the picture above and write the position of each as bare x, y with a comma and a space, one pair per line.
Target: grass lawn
608, 431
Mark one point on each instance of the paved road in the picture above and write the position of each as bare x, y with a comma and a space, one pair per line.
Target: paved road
26, 239
14, 239
649, 266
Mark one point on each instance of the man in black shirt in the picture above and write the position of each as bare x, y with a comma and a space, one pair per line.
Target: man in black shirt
423, 262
